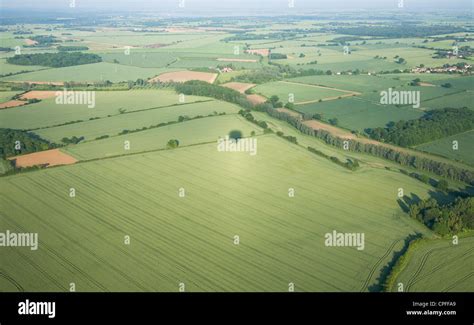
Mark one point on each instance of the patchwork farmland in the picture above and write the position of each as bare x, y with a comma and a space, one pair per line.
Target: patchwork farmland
237, 153
106, 207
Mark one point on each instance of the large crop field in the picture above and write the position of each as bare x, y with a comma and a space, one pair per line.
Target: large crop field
89, 73
351, 83
359, 114
174, 147
188, 133
298, 93
107, 104
444, 147
225, 195
440, 266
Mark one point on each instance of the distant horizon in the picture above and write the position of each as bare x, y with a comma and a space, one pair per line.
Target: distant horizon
211, 6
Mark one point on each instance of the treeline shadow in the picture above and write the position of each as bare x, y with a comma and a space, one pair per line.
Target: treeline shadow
385, 272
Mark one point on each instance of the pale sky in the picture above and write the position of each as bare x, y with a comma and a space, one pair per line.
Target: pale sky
139, 5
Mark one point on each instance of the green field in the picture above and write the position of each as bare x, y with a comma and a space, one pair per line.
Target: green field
359, 114
140, 59
358, 83
188, 133
444, 147
48, 113
301, 92
464, 83
458, 100
142, 145
136, 120
89, 73
5, 96
440, 266
6, 68
226, 195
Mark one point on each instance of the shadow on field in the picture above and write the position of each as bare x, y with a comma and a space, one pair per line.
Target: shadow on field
406, 201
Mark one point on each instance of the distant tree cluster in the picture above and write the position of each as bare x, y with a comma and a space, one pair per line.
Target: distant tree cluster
277, 56
72, 140
44, 40
435, 124
201, 88
445, 219
249, 36
55, 60
72, 48
399, 30
16, 142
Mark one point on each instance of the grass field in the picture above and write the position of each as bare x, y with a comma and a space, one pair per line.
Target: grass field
115, 124
456, 100
358, 83
359, 114
208, 129
444, 147
6, 68
440, 266
5, 96
48, 113
141, 59
190, 239
89, 73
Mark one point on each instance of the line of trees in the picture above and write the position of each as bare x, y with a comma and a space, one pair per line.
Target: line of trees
399, 30
72, 48
433, 125
55, 60
201, 88
349, 164
402, 158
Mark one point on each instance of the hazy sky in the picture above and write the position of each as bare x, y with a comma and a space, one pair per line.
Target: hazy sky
138, 5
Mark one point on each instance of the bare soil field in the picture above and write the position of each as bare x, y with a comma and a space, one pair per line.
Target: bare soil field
50, 158
256, 99
12, 103
317, 125
241, 87
262, 52
39, 94
30, 42
183, 76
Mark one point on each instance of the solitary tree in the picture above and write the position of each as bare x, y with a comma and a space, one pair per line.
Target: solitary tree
173, 143
235, 134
